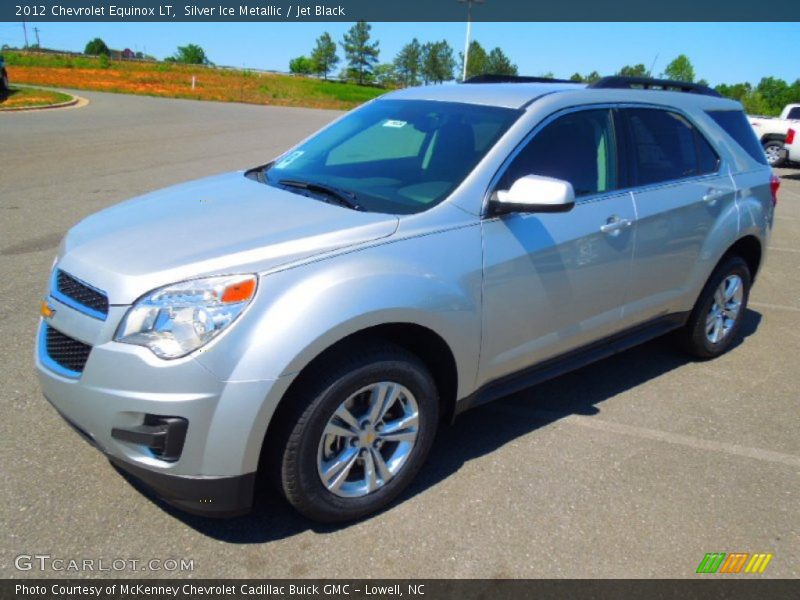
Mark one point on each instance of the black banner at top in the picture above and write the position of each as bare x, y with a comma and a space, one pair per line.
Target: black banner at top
397, 10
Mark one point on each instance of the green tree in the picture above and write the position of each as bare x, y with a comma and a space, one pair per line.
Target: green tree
737, 91
438, 62
302, 65
361, 54
191, 54
498, 63
755, 104
476, 59
591, 77
407, 63
96, 47
576, 77
385, 75
776, 94
323, 56
634, 71
680, 69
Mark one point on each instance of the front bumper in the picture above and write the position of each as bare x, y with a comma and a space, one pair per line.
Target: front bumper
121, 386
216, 497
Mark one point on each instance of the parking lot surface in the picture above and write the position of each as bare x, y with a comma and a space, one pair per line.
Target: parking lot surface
633, 467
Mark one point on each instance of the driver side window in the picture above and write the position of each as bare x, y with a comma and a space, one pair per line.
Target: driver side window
577, 147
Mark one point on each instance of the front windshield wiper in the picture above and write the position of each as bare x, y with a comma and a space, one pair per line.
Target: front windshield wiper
343, 197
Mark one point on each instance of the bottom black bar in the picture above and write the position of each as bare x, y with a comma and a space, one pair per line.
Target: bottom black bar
710, 587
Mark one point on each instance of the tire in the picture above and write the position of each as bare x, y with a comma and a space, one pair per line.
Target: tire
705, 335
772, 150
302, 448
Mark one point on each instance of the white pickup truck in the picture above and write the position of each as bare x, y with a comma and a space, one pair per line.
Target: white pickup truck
771, 132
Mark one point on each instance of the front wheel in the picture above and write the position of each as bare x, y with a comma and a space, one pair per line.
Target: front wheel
718, 313
773, 150
362, 429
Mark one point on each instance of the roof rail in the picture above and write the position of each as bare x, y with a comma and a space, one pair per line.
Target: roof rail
647, 83
493, 78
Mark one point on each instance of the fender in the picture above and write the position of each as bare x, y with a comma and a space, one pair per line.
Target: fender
300, 312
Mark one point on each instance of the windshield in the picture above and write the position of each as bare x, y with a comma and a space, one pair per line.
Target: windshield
394, 156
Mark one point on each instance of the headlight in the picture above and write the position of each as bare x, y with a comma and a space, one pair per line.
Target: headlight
175, 320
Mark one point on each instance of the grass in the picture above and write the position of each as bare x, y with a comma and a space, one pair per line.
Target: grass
25, 97
175, 81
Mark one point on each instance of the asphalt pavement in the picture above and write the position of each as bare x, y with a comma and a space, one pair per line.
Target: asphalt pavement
633, 467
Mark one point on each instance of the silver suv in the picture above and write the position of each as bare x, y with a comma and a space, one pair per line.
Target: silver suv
313, 320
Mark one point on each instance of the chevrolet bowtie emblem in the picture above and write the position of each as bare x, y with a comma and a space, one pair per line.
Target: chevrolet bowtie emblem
46, 310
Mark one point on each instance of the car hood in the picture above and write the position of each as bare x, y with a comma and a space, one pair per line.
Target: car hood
217, 225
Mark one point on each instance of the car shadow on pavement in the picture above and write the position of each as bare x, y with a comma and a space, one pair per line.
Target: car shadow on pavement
476, 433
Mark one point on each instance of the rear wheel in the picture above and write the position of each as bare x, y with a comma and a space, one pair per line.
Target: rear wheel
717, 316
360, 431
773, 150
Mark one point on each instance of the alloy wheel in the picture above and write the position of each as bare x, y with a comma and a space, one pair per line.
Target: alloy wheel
368, 439
724, 309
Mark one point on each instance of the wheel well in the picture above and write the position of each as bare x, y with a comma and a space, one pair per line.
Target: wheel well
749, 248
424, 343
773, 137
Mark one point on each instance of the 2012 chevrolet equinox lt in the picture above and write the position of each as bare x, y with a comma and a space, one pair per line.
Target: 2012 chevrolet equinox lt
314, 319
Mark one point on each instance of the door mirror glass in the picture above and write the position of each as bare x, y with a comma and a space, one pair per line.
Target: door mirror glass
534, 193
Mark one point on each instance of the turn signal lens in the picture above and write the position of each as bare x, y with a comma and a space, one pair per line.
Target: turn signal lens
239, 292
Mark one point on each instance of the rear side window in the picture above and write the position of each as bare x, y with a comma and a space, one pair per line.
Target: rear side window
666, 147
578, 147
738, 127
794, 113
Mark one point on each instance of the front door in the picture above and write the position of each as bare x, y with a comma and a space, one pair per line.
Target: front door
554, 282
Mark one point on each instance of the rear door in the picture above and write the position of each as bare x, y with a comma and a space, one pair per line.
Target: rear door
680, 191
553, 282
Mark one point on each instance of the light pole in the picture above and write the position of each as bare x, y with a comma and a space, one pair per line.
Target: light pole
469, 4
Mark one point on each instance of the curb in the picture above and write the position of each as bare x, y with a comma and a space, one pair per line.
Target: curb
71, 102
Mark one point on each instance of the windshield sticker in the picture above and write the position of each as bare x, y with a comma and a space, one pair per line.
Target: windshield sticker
289, 159
395, 124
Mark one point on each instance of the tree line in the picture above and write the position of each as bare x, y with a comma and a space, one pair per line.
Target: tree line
436, 62
767, 97
416, 63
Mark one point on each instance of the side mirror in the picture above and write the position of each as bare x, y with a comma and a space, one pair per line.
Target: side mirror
533, 194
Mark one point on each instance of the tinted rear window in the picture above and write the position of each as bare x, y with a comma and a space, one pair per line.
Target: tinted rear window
666, 147
794, 113
737, 126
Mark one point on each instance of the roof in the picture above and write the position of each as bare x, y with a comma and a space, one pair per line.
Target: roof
519, 95
509, 95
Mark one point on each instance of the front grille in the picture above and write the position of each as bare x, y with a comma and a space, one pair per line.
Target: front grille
65, 351
81, 293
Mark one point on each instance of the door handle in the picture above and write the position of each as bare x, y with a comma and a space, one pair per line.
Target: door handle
615, 224
712, 195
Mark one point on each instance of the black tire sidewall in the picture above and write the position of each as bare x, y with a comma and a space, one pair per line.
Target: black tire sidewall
299, 476
699, 343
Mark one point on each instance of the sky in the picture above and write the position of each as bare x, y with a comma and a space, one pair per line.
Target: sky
720, 52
